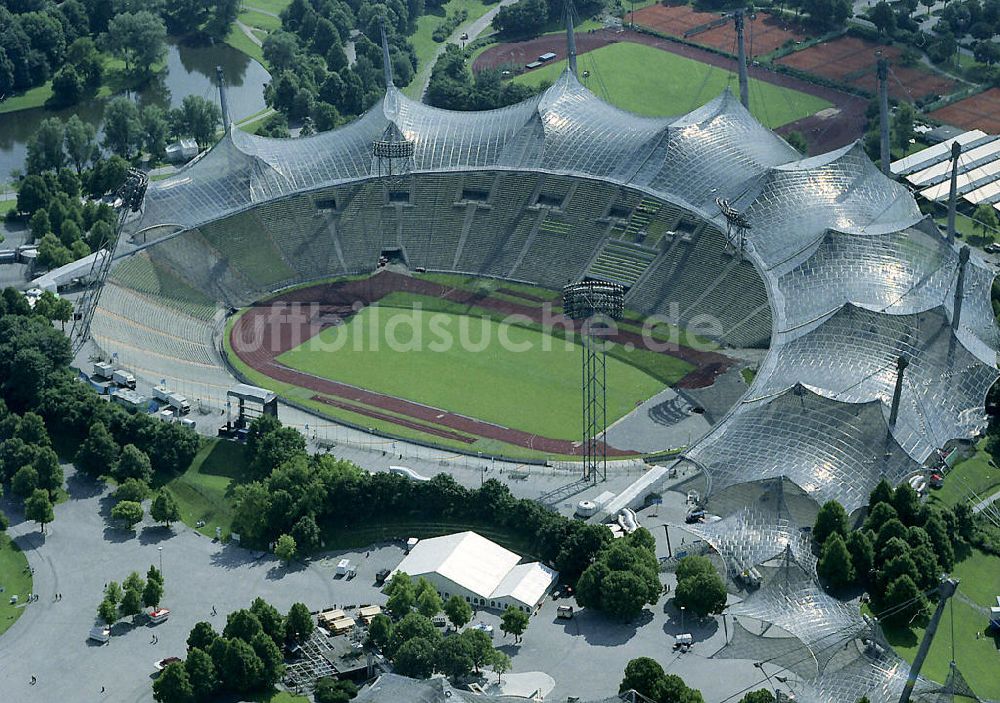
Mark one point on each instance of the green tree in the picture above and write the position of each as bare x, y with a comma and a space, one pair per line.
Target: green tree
429, 603
331, 690
453, 657
45, 148
892, 529
284, 548
128, 512
480, 647
380, 631
985, 220
33, 193
154, 574
500, 663
242, 624
672, 688
173, 685
131, 604
200, 118
761, 695
132, 489
38, 508
642, 675
832, 518
40, 225
299, 623
307, 534
514, 621
907, 503
402, 595
238, 666
415, 658
154, 130
133, 463
879, 514
138, 38
67, 86
50, 472
98, 454
122, 127
882, 16
624, 595
164, 508
269, 654
202, 636
25, 481
902, 601
862, 552
113, 592
152, 593
201, 673
108, 611
270, 619
458, 611
52, 254
835, 567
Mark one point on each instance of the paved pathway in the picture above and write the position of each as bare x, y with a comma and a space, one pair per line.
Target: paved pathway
250, 35
473, 28
985, 503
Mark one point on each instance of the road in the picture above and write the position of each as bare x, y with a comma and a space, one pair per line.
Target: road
472, 27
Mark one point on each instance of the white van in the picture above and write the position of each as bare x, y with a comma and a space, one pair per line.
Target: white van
100, 633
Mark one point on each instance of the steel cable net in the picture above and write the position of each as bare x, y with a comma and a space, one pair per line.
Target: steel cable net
831, 449
826, 232
851, 357
751, 536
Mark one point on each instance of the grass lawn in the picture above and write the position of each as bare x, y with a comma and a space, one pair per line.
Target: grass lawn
15, 580
530, 383
241, 42
424, 45
965, 227
977, 658
203, 490
252, 18
648, 81
973, 474
277, 697
6, 206
272, 6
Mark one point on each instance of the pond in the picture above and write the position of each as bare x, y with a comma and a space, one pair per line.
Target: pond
190, 71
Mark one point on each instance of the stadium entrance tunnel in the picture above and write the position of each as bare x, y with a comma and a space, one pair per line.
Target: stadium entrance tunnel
476, 243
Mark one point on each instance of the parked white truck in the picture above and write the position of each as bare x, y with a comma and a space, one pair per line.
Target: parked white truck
103, 370
123, 379
179, 403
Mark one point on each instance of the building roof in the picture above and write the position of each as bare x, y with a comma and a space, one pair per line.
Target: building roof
392, 688
465, 558
527, 583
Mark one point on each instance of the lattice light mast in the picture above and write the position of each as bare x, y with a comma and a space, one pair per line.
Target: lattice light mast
737, 226
128, 200
594, 303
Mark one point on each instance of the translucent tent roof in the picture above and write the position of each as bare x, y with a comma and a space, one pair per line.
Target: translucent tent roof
855, 275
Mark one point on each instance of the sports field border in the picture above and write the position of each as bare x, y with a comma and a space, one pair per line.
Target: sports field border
334, 297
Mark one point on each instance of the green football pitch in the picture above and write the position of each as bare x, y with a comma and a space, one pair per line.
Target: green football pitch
648, 81
509, 375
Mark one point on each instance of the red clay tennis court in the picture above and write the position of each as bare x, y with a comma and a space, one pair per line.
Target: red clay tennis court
674, 20
763, 35
981, 111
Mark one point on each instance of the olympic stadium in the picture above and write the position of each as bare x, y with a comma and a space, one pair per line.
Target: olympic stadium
879, 333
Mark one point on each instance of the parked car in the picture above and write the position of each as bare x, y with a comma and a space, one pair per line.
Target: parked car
381, 576
165, 662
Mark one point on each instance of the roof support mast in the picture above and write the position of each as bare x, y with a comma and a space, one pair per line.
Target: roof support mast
570, 39
883, 108
963, 259
741, 58
386, 60
223, 104
956, 152
901, 364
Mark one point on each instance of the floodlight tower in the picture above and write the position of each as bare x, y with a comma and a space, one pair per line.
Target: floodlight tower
128, 199
223, 102
737, 226
593, 303
956, 153
393, 153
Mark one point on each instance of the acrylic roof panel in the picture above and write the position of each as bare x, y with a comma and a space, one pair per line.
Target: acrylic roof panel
851, 357
830, 449
793, 205
933, 154
827, 232
899, 272
711, 153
